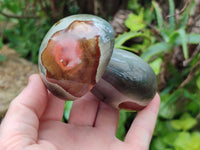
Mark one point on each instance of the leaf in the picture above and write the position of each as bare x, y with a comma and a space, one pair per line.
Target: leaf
174, 36
171, 15
198, 82
180, 38
135, 22
12, 6
121, 131
68, 106
133, 5
191, 39
183, 21
191, 96
158, 144
167, 111
129, 49
158, 14
170, 137
186, 122
156, 65
195, 138
156, 49
162, 128
167, 106
122, 38
182, 141
191, 10
187, 141
194, 107
183, 37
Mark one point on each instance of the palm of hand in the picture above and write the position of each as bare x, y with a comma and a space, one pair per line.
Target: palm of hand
75, 137
33, 122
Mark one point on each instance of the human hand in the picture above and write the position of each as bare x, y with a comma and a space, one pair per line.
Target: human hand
33, 122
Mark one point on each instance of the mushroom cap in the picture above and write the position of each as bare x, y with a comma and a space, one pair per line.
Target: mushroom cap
74, 54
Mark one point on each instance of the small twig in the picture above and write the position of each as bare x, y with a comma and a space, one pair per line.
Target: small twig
182, 10
197, 18
34, 6
53, 8
41, 4
44, 6
26, 8
18, 17
196, 51
197, 26
98, 7
152, 27
191, 74
156, 31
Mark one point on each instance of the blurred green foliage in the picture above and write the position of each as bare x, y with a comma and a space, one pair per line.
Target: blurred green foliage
160, 38
178, 121
2, 58
26, 26
27, 38
25, 23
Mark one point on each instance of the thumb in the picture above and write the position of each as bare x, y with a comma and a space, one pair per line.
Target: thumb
22, 119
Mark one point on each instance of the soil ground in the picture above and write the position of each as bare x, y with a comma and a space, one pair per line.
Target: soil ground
14, 73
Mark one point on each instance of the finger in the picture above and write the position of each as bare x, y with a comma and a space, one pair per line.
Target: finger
54, 110
107, 118
142, 128
22, 118
84, 110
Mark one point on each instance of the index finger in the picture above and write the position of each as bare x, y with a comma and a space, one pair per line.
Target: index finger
142, 128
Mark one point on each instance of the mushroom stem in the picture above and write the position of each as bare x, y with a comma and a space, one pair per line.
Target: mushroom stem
128, 82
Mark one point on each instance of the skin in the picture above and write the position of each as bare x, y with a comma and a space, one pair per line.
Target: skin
33, 122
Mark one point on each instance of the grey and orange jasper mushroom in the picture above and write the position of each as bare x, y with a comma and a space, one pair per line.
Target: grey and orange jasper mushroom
77, 56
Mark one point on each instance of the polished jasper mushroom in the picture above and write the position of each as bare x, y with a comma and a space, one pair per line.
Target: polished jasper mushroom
76, 56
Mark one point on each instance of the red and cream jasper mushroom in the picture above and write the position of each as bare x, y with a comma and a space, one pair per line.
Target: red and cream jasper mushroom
74, 56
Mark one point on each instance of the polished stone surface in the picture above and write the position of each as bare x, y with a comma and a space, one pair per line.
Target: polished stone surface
73, 59
128, 82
